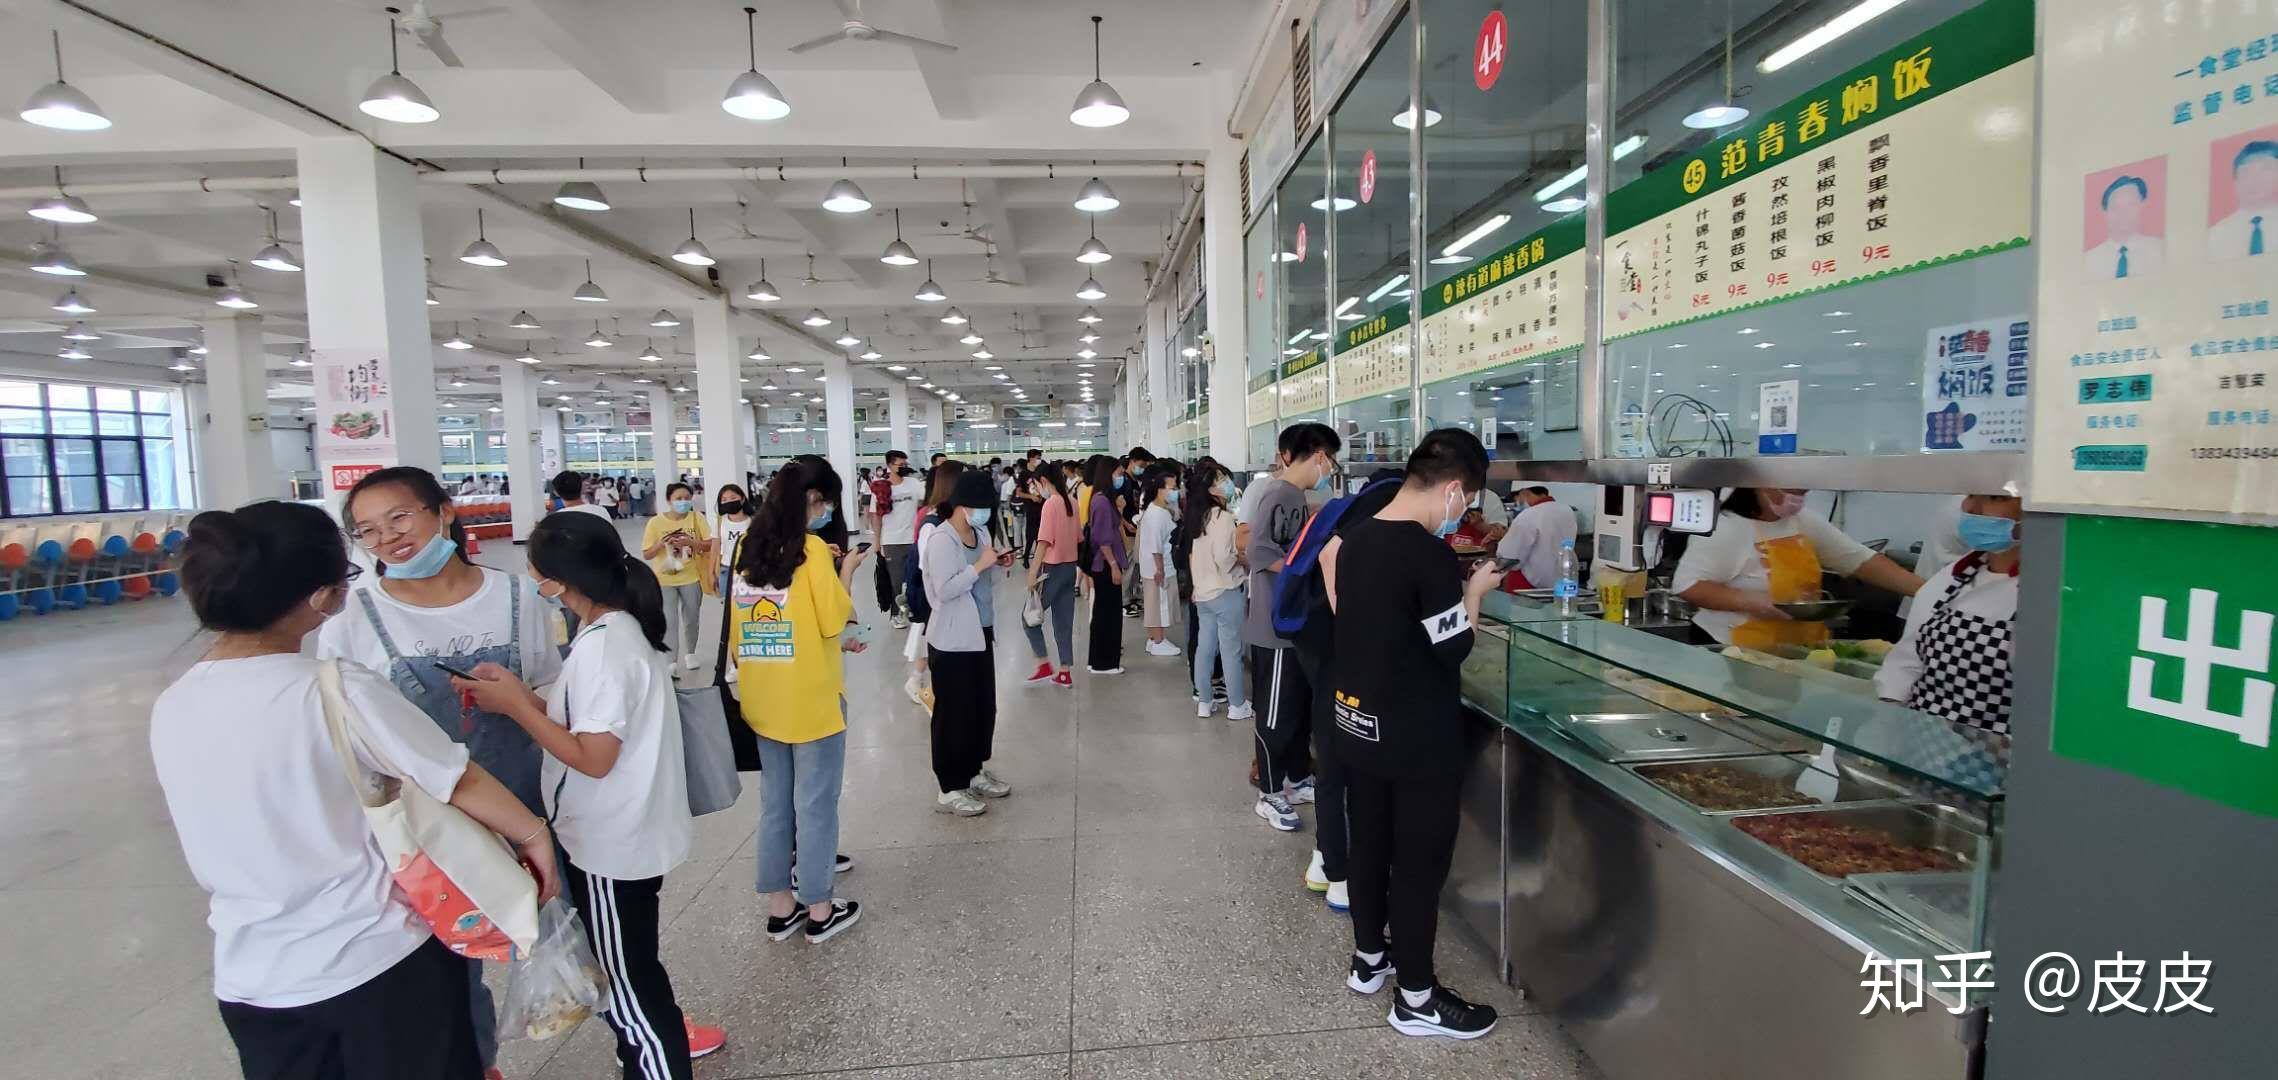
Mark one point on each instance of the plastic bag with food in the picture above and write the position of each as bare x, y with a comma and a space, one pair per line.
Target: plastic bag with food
558, 984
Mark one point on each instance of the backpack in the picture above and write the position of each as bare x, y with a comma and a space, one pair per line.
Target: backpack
913, 578
1299, 592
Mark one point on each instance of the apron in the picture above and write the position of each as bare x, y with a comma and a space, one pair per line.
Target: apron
1965, 660
1792, 567
495, 742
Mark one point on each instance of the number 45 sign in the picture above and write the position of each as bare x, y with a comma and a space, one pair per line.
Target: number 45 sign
2164, 660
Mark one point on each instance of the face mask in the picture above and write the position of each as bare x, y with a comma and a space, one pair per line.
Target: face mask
1119, 483
1322, 484
1226, 490
1983, 532
1454, 511
732, 506
1784, 506
682, 506
819, 520
1174, 496
325, 613
430, 560
559, 589
978, 517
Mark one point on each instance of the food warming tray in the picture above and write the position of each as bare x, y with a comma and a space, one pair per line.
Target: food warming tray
1780, 772
1935, 904
1928, 825
1659, 736
1772, 737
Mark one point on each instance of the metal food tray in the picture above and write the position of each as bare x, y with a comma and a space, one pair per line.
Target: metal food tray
1786, 771
1930, 825
1933, 903
1622, 738
1772, 737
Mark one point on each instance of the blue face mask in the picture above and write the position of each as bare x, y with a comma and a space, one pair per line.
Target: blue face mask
1322, 484
1119, 482
819, 520
1226, 490
1982, 532
978, 516
1174, 493
682, 506
1447, 526
430, 560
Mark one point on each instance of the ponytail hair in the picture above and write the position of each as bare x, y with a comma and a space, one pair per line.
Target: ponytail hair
776, 546
584, 553
245, 569
422, 486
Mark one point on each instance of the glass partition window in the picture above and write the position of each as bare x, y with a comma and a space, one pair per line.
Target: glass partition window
1302, 253
1261, 303
1521, 411
1188, 359
1370, 188
68, 448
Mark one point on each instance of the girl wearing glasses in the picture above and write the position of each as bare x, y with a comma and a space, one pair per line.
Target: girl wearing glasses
429, 612
319, 964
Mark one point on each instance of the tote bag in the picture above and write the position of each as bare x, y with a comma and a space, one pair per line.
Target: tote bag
712, 782
459, 876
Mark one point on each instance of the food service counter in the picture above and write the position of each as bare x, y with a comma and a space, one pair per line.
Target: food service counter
1687, 857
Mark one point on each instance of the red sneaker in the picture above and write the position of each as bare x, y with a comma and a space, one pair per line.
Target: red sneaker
703, 1038
1064, 681
492, 1073
1043, 674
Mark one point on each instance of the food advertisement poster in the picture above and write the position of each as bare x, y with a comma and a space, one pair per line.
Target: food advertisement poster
1776, 416
355, 414
1974, 381
2158, 355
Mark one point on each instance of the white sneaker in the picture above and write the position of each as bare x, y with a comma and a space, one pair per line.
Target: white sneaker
960, 803
1277, 812
900, 621
692, 661
1298, 793
988, 786
914, 689
1241, 712
1316, 878
1205, 708
1162, 648
1340, 899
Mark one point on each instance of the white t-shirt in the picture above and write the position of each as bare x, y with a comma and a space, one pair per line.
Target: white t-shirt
1534, 538
1990, 595
300, 900
727, 531
585, 508
1491, 508
605, 495
632, 822
1729, 557
477, 622
902, 518
1156, 524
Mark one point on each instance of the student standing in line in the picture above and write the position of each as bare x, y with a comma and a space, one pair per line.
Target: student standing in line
676, 544
960, 637
570, 488
905, 497
606, 494
1159, 488
1307, 457
322, 971
729, 524
616, 778
1053, 575
1031, 507
918, 685
789, 621
1404, 613
1109, 562
430, 610
1219, 600
1130, 503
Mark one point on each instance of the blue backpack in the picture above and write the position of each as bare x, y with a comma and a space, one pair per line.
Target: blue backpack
913, 579
1299, 591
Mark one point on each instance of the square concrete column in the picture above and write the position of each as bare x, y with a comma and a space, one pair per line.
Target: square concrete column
237, 466
936, 436
898, 418
1226, 311
367, 293
525, 481
661, 431
838, 397
1155, 352
718, 364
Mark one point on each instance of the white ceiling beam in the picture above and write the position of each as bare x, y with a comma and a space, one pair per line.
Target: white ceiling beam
604, 248
563, 31
944, 72
104, 287
864, 272
989, 200
161, 58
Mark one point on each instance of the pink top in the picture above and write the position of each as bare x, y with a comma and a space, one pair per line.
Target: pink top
1058, 534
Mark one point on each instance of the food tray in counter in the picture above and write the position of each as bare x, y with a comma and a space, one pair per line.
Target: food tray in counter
1874, 838
1625, 737
1935, 903
1765, 782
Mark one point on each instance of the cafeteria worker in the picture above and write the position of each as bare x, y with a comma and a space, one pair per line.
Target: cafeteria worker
1953, 659
1768, 550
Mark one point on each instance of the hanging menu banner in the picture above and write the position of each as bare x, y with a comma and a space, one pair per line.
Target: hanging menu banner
355, 414
1304, 385
1264, 392
2158, 359
1372, 358
1918, 157
1508, 307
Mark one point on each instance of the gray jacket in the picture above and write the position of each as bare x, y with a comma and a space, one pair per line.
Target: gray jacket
950, 579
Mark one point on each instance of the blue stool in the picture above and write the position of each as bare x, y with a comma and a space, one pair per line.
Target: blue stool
9, 605
73, 596
41, 601
167, 583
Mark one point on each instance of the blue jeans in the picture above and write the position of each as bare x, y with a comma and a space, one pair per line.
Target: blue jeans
1218, 636
1056, 585
798, 810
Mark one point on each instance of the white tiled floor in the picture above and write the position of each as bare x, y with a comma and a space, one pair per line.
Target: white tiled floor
1123, 914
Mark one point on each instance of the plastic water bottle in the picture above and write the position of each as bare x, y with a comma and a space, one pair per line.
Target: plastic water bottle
1569, 578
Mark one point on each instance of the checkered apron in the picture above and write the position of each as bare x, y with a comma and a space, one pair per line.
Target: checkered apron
1965, 661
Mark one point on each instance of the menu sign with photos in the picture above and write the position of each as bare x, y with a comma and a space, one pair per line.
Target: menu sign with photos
2159, 204
1918, 157
355, 414
1974, 383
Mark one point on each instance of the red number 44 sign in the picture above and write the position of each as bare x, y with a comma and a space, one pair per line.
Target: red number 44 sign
1487, 52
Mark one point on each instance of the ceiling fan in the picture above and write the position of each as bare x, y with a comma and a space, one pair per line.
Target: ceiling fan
977, 233
858, 30
811, 279
744, 241
992, 277
424, 26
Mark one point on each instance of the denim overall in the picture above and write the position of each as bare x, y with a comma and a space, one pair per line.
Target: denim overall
495, 742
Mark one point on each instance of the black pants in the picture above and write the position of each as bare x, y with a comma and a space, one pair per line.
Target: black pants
1331, 831
1283, 699
621, 921
883, 580
964, 711
410, 1022
1107, 622
1032, 514
1403, 837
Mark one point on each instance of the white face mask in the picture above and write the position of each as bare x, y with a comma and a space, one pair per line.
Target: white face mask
340, 605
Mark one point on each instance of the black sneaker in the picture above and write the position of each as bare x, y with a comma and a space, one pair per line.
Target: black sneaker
842, 864
778, 929
843, 914
1368, 978
1445, 1015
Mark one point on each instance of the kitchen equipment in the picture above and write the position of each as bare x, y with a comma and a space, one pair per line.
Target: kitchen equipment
1778, 776
1949, 832
1661, 736
1936, 904
1817, 610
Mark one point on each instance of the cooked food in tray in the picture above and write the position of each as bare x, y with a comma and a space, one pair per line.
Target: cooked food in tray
1724, 787
1839, 850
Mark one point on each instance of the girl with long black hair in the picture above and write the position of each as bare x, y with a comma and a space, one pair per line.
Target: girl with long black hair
1220, 601
1109, 560
790, 617
616, 776
319, 964
1052, 576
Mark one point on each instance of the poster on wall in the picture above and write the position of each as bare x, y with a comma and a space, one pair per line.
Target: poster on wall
1975, 379
1776, 407
355, 414
1918, 157
2158, 358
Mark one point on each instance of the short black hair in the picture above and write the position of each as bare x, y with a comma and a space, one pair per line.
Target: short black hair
1139, 453
1306, 439
2265, 147
938, 455
245, 569
1446, 454
2143, 190
893, 454
568, 484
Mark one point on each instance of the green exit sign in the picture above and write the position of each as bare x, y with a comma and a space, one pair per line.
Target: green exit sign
2164, 655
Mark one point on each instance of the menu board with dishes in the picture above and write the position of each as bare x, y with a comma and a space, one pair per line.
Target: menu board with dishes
1264, 393
1372, 356
1304, 384
1512, 305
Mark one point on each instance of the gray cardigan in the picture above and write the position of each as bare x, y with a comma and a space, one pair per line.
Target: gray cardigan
950, 579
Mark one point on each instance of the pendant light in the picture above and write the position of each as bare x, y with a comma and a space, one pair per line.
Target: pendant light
954, 317
663, 318
589, 292
1091, 289
456, 341
1721, 113
582, 194
275, 256
1405, 119
79, 332
815, 317
62, 208
753, 96
431, 301
74, 352
870, 352
1096, 197
49, 258
393, 97
233, 298
970, 338
763, 290
59, 104
599, 340
1092, 250
482, 252
758, 352
930, 292
649, 352
1089, 337
1098, 105
692, 251
1089, 317
846, 339
523, 320
844, 197
899, 253
1087, 354
70, 304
